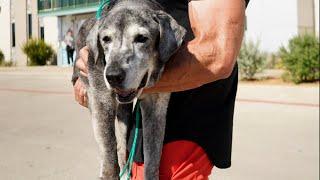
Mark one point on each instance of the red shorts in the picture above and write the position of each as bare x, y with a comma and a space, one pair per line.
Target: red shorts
181, 160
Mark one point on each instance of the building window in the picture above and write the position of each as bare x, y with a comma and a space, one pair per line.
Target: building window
30, 25
42, 32
13, 34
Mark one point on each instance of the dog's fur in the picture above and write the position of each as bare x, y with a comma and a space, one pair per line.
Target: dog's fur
134, 38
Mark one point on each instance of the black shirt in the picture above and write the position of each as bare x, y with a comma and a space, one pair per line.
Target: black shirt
203, 115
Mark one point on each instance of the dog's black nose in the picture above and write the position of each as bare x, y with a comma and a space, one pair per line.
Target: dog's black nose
115, 78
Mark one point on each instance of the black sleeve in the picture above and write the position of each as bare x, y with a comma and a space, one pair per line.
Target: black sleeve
247, 2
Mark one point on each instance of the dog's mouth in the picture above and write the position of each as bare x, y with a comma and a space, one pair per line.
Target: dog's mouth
127, 96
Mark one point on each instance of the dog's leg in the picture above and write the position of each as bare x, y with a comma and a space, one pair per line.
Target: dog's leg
154, 110
103, 116
121, 126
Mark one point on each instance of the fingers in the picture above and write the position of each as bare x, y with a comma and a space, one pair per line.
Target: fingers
85, 100
76, 90
84, 53
80, 93
81, 63
84, 73
83, 97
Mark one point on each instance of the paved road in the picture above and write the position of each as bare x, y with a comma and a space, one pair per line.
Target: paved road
45, 135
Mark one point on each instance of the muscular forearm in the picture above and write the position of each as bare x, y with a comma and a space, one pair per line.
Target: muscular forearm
218, 29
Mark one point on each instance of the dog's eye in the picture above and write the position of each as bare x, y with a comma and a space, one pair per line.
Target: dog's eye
106, 39
140, 39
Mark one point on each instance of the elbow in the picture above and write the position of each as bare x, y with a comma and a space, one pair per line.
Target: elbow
226, 71
228, 75
225, 67
221, 65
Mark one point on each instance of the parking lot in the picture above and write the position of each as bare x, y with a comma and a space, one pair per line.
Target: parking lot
45, 134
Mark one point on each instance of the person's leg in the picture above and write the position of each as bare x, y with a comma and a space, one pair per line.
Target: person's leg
68, 56
67, 50
71, 55
180, 160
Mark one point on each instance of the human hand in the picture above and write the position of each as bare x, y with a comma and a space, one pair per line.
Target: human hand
81, 63
80, 92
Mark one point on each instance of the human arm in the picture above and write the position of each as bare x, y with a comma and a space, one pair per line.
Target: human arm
80, 93
218, 27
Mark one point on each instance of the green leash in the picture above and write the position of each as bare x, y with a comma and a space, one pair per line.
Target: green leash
128, 166
102, 4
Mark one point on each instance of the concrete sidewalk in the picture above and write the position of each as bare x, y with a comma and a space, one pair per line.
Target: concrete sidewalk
45, 134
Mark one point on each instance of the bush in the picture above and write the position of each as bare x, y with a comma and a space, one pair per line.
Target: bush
251, 60
1, 57
37, 51
7, 63
273, 61
301, 59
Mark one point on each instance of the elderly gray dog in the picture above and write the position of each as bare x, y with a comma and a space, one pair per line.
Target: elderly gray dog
129, 47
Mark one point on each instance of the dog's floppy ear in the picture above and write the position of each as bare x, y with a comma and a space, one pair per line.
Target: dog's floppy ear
94, 44
171, 35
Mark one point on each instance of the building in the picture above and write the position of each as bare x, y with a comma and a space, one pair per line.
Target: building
59, 16
274, 22
271, 22
19, 21
46, 19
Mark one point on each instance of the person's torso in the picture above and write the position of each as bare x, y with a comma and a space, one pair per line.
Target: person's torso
69, 41
203, 115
